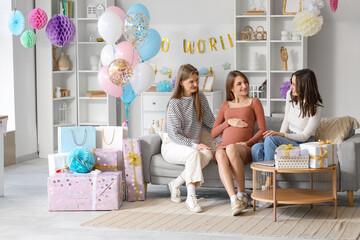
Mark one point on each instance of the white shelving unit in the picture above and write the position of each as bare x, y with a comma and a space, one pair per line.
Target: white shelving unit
270, 70
78, 79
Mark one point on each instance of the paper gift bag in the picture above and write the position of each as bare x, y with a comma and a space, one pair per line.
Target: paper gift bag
71, 137
133, 170
111, 137
90, 191
57, 163
108, 159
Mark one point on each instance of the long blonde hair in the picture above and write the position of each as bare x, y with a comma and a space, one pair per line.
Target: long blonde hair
185, 72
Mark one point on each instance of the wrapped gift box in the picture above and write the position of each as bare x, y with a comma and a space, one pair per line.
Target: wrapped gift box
321, 150
133, 170
108, 159
57, 163
90, 191
292, 162
288, 151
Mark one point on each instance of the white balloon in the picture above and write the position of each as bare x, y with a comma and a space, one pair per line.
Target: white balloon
110, 27
107, 54
143, 77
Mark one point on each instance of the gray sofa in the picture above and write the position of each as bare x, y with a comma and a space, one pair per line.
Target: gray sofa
159, 172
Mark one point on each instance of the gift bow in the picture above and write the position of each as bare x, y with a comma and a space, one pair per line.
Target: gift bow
134, 159
321, 157
322, 142
286, 149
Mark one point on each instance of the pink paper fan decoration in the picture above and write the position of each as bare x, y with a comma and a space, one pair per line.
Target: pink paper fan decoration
333, 5
37, 18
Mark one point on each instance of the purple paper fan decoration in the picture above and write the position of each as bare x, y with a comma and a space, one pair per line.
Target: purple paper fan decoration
285, 87
173, 82
60, 30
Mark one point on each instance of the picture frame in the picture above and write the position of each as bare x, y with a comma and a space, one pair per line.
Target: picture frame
206, 82
292, 7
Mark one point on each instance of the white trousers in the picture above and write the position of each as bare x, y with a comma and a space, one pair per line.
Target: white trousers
193, 160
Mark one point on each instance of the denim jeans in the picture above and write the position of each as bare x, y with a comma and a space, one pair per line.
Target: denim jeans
266, 151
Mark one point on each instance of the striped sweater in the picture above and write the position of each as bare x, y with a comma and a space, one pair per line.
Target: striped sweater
182, 125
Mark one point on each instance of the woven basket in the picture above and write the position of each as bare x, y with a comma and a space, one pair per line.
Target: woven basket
248, 34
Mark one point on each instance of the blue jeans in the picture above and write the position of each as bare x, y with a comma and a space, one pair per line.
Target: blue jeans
266, 151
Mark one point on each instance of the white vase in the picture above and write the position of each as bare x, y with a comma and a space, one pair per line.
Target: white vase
63, 62
57, 92
94, 61
254, 62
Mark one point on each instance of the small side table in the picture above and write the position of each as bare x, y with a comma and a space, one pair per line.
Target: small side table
294, 195
2, 119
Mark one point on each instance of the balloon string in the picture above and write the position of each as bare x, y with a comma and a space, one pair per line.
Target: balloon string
128, 117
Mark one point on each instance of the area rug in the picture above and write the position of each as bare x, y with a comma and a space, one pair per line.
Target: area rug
292, 221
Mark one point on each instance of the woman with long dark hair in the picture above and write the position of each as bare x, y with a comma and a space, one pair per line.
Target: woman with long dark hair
302, 117
187, 111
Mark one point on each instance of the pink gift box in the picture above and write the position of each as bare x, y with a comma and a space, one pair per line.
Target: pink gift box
294, 152
108, 159
90, 191
133, 170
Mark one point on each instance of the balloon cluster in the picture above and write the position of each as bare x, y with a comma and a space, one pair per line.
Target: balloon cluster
125, 73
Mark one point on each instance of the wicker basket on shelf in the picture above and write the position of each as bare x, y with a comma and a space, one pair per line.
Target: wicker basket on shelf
248, 34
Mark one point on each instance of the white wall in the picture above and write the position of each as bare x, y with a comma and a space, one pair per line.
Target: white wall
18, 82
334, 55
25, 105
190, 20
7, 101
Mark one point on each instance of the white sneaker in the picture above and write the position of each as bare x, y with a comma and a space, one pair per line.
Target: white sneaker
174, 192
192, 204
261, 204
236, 207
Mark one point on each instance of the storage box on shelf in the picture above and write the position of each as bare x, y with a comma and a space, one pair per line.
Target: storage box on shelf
260, 60
76, 108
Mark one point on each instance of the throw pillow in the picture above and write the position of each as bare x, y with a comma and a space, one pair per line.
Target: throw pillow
337, 128
207, 139
157, 127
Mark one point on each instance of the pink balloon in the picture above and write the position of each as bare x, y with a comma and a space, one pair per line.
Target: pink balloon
116, 10
126, 50
106, 85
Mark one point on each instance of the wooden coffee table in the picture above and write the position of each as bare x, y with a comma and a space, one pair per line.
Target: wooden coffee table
294, 195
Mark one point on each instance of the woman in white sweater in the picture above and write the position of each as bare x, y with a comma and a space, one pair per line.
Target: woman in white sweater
187, 111
302, 117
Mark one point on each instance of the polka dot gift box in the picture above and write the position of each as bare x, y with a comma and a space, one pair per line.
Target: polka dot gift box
85, 191
133, 170
108, 159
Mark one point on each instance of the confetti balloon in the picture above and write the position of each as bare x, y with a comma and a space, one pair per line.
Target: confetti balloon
37, 18
16, 22
28, 39
60, 30
136, 27
120, 72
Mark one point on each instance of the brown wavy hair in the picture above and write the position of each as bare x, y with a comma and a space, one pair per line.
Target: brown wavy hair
230, 83
185, 72
308, 94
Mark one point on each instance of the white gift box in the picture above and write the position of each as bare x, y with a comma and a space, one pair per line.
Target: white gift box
317, 149
57, 163
292, 162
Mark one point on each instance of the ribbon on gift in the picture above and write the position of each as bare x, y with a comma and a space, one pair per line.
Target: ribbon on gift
322, 142
135, 160
98, 166
286, 148
321, 157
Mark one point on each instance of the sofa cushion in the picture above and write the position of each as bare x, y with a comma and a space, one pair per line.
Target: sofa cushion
337, 128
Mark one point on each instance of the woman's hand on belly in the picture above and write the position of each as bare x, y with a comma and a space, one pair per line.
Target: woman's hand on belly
236, 122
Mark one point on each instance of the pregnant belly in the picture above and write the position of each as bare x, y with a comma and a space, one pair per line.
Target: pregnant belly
235, 134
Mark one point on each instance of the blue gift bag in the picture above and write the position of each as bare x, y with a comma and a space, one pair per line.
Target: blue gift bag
72, 137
